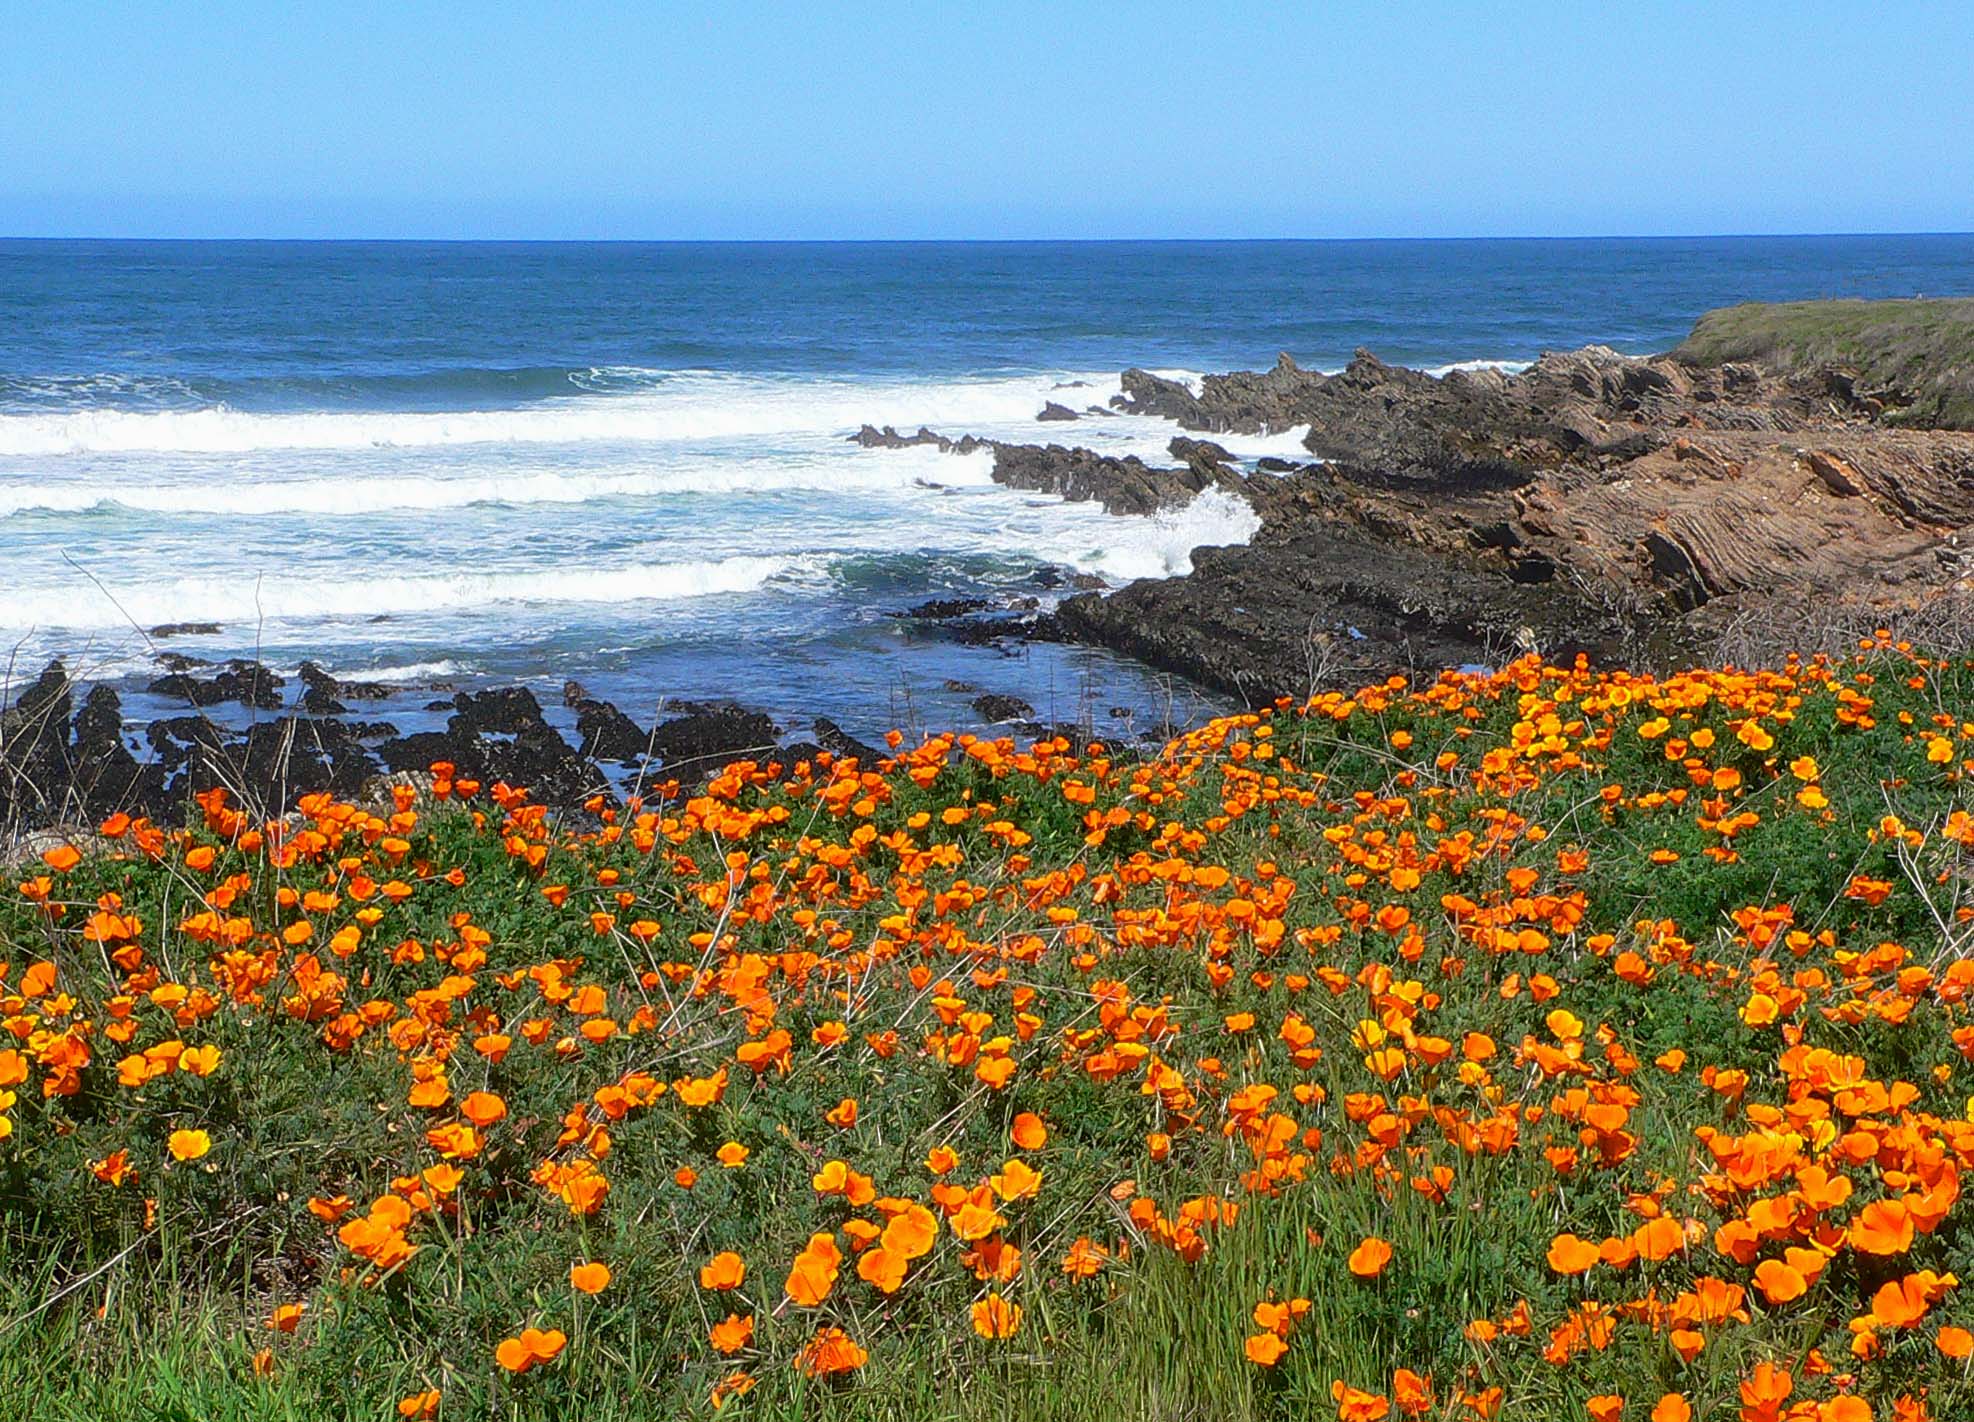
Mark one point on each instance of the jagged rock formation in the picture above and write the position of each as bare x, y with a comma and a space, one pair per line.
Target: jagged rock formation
1630, 508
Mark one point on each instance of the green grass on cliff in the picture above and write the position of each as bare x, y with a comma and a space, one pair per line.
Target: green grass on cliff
1922, 348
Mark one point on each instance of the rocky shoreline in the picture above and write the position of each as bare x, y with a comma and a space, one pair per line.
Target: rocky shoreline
68, 757
1641, 511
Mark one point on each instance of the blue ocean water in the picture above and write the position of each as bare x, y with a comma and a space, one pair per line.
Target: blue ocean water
440, 463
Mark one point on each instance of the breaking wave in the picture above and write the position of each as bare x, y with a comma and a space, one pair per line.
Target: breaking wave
246, 600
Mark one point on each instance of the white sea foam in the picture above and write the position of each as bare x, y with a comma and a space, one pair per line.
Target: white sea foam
411, 671
1506, 367
243, 599
1158, 546
702, 406
367, 494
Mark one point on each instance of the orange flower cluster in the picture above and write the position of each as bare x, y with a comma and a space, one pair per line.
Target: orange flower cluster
1476, 990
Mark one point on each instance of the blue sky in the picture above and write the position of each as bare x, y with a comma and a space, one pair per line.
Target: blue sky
845, 118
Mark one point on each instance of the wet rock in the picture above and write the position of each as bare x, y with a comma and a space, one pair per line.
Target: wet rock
1212, 460
710, 737
34, 745
1148, 394
180, 686
840, 743
980, 629
607, 733
248, 683
503, 710
1122, 486
1053, 412
940, 609
105, 776
185, 629
996, 708
277, 762
171, 737
419, 751
319, 691
574, 693
870, 437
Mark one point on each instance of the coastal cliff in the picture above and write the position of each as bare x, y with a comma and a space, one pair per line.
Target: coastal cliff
1640, 510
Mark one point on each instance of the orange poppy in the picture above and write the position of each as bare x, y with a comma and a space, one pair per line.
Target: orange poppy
1265, 1350
732, 1333
1368, 1260
483, 1108
1570, 1255
994, 1317
1354, 1405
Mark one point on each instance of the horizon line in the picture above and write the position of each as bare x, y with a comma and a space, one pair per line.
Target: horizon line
988, 241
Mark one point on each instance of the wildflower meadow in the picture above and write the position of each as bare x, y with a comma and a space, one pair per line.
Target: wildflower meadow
1547, 1043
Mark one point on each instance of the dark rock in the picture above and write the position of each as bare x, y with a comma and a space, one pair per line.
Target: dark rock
186, 629
319, 691
607, 733
502, 710
959, 687
34, 748
871, 437
277, 762
1280, 620
1148, 394
1054, 412
248, 683
1046, 577
710, 737
574, 693
995, 707
1122, 486
840, 743
171, 737
106, 777
941, 609
422, 749
180, 686
1088, 582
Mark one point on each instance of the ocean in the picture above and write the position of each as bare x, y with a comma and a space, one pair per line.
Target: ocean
460, 464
